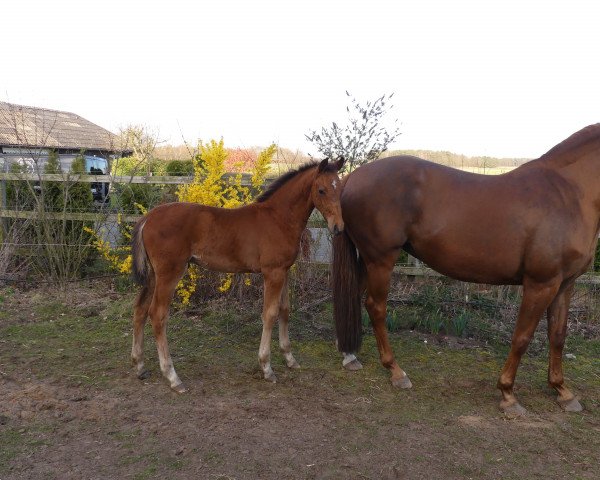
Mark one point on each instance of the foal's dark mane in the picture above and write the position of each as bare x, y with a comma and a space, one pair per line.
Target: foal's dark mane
286, 177
578, 139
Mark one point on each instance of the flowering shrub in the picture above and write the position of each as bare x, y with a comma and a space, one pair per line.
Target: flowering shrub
210, 187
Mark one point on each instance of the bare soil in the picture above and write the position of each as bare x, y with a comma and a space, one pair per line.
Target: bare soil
71, 408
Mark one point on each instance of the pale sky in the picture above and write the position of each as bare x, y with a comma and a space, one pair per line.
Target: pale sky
498, 78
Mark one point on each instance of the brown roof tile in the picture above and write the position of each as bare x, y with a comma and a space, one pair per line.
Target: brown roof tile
39, 127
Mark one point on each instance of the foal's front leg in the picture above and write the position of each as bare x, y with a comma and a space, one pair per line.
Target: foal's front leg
273, 285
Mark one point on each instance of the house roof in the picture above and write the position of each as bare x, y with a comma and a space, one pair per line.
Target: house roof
22, 126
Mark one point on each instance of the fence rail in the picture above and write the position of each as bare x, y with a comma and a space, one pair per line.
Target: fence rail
101, 215
119, 179
79, 216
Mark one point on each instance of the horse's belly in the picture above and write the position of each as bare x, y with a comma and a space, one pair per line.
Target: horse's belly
473, 267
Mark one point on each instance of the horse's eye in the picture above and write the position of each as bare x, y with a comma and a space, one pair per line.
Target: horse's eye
321, 191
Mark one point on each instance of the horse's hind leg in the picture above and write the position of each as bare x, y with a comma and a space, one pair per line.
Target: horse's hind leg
349, 360
378, 286
284, 337
140, 314
274, 280
159, 312
536, 299
557, 332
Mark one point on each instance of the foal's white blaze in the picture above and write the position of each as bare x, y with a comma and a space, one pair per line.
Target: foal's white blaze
334, 184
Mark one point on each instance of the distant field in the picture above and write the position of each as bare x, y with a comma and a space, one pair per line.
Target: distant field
487, 171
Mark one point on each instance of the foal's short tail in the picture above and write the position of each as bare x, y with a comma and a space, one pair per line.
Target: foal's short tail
347, 272
141, 266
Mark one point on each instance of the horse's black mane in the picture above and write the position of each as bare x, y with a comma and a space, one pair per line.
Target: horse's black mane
286, 177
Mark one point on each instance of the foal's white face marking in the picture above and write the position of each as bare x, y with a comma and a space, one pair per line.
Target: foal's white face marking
334, 184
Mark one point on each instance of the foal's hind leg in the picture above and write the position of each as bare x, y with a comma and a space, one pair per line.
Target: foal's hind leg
536, 299
557, 332
284, 337
159, 312
378, 286
274, 280
140, 314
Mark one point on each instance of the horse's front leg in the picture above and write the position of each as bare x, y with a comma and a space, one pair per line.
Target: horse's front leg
378, 286
274, 281
536, 299
284, 337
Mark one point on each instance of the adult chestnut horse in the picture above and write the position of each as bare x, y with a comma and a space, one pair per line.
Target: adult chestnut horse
260, 237
535, 226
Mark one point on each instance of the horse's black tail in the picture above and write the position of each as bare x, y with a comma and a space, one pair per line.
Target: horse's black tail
347, 272
141, 267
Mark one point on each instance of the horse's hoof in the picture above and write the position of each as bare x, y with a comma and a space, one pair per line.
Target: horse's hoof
513, 410
179, 388
353, 365
294, 365
270, 377
143, 375
571, 405
403, 382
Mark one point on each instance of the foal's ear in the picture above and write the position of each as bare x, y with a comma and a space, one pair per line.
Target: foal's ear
340, 163
323, 165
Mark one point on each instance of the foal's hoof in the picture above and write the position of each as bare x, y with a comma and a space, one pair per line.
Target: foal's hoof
179, 388
353, 365
403, 382
143, 375
571, 405
513, 410
270, 377
294, 365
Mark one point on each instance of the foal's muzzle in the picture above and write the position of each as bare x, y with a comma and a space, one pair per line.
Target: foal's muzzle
336, 228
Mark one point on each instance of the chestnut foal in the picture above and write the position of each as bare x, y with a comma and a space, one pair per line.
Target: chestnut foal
262, 237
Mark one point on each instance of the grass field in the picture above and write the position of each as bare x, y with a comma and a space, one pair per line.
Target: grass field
72, 408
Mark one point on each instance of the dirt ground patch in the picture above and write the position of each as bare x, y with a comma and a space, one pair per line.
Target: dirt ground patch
72, 408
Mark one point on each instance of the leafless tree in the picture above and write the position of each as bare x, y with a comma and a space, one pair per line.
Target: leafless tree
362, 139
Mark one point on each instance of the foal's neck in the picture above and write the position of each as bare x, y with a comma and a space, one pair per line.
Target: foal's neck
292, 201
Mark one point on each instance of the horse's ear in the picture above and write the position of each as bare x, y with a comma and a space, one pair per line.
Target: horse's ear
340, 163
323, 165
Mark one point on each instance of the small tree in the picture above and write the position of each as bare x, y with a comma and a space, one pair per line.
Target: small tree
53, 192
79, 196
363, 138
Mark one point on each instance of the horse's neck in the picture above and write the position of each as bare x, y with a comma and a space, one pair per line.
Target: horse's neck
292, 201
581, 167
